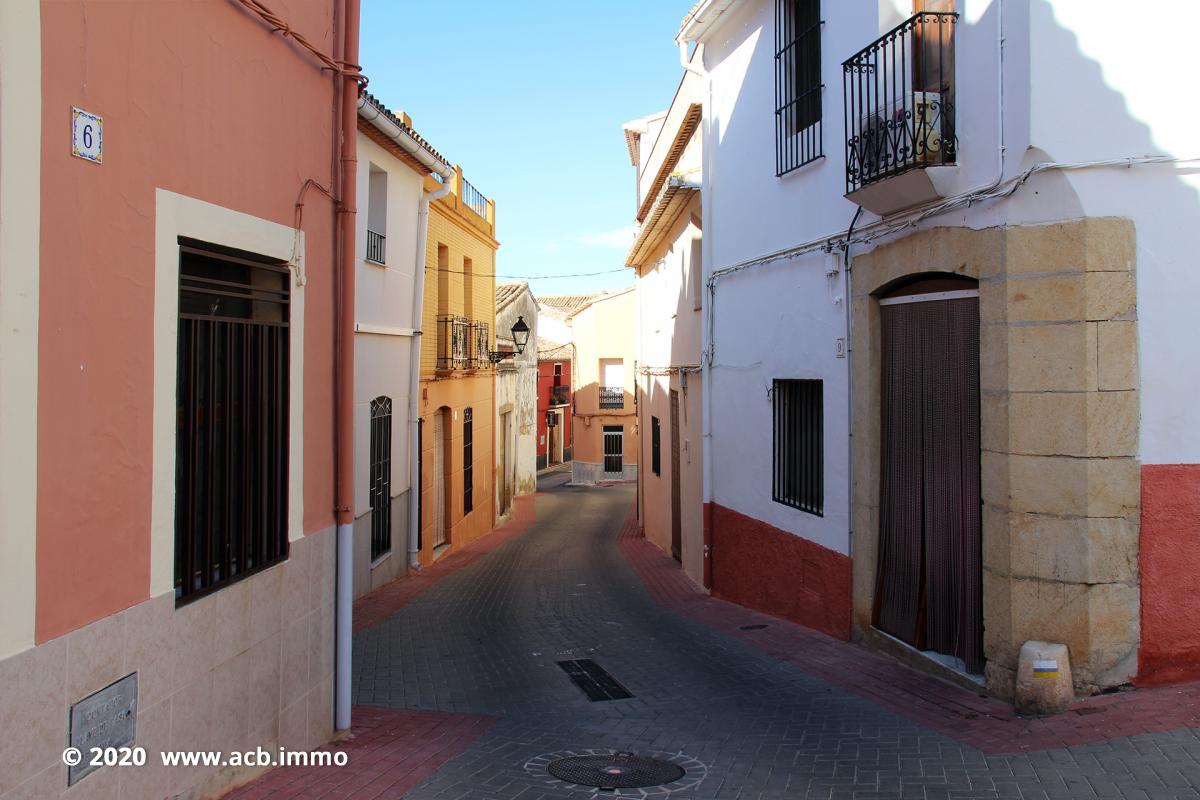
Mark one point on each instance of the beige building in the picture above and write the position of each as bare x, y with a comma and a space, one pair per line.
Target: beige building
605, 433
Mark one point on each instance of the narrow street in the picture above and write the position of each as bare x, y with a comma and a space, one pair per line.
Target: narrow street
481, 647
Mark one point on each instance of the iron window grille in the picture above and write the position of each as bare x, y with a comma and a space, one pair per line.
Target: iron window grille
798, 470
798, 86
474, 199
560, 395
380, 490
468, 459
375, 246
232, 401
614, 446
655, 446
453, 334
899, 98
612, 397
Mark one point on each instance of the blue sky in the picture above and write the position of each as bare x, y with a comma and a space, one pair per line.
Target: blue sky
529, 98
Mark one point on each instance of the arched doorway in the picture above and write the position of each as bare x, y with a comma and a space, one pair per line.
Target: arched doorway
929, 574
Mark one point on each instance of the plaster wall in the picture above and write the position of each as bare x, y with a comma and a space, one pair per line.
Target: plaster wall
516, 394
103, 527
606, 329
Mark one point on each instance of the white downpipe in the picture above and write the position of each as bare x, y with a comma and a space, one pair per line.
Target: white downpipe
344, 625
414, 365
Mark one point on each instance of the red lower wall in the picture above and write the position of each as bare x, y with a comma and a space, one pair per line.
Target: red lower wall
1170, 574
762, 567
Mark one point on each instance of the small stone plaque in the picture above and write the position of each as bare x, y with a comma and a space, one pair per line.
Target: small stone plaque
105, 719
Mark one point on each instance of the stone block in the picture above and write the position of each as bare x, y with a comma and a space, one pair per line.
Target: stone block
998, 643
994, 479
1113, 487
997, 541
1052, 611
1049, 485
1111, 244
1048, 423
1060, 247
994, 421
1052, 298
993, 300
1110, 295
993, 357
1112, 424
1043, 681
1050, 548
1049, 358
1117, 356
1112, 550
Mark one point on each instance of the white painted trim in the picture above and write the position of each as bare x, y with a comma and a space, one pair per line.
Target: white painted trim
930, 297
175, 216
382, 330
20, 274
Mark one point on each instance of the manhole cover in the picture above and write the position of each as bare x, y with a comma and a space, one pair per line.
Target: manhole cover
615, 771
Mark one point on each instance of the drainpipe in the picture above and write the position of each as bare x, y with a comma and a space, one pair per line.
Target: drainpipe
344, 392
414, 361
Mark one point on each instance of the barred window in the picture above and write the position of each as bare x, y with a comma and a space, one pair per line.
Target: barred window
798, 86
798, 432
380, 489
468, 458
231, 439
655, 446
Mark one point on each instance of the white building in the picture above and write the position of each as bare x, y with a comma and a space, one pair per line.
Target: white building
516, 396
1002, 180
666, 152
394, 167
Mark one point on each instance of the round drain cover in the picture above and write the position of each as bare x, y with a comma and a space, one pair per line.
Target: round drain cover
615, 771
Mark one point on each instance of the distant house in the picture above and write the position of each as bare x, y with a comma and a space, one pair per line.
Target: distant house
516, 396
556, 359
605, 430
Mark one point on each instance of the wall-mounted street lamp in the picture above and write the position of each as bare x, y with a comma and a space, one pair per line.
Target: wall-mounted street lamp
520, 337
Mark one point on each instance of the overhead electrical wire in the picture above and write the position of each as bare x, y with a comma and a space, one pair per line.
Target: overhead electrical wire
475, 274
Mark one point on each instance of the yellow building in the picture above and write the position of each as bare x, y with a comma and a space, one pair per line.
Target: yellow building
457, 401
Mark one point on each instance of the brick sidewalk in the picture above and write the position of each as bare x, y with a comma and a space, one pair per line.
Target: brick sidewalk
979, 721
392, 750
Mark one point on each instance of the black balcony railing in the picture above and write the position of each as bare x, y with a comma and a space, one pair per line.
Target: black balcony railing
560, 395
612, 397
899, 101
375, 250
452, 342
474, 199
478, 346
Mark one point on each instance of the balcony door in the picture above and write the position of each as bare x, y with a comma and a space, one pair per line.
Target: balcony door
928, 589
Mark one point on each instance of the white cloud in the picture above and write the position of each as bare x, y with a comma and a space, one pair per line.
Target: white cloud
618, 237
550, 247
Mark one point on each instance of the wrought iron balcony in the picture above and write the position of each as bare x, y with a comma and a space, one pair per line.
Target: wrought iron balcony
560, 395
612, 397
899, 101
462, 343
452, 342
375, 249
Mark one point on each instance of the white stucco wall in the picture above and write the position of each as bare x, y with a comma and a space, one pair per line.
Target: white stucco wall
1078, 85
384, 321
516, 391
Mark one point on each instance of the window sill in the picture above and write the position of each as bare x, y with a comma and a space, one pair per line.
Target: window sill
381, 559
376, 263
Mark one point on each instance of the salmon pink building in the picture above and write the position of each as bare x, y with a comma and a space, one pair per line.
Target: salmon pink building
168, 499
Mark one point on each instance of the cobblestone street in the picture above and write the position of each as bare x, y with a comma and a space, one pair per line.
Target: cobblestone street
772, 711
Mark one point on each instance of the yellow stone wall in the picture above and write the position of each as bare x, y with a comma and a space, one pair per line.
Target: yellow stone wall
1059, 435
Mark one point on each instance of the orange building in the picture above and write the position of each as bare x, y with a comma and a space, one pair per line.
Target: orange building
167, 494
457, 395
